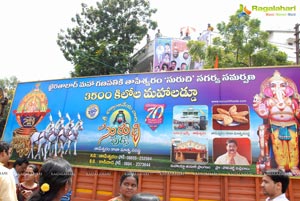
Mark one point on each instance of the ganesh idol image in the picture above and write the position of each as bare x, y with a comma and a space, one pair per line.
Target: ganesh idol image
278, 105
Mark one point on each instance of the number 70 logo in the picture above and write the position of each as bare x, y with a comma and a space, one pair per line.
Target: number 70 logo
155, 114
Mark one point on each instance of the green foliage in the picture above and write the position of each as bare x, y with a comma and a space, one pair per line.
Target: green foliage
8, 86
104, 37
211, 53
243, 44
270, 56
196, 50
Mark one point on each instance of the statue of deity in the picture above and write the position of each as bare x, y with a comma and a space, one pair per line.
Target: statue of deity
278, 105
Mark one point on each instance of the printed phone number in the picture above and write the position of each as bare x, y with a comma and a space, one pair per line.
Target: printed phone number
137, 164
140, 158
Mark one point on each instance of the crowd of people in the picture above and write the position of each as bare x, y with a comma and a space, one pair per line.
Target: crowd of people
274, 185
54, 180
171, 59
168, 60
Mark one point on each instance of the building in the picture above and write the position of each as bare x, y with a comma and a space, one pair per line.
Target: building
283, 39
190, 151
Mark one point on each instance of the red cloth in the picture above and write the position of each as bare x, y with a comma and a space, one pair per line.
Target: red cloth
216, 62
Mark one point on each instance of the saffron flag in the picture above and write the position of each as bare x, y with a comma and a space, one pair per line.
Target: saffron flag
216, 62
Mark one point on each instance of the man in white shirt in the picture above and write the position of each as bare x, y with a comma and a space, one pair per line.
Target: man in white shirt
232, 157
176, 58
7, 182
19, 167
274, 185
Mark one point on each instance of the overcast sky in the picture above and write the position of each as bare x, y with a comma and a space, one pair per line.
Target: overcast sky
29, 29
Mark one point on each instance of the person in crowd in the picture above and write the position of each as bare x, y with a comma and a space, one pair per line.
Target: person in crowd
66, 197
128, 187
160, 49
175, 57
55, 180
164, 67
183, 66
175, 54
144, 197
157, 68
199, 38
173, 65
187, 36
19, 167
232, 157
168, 48
26, 188
185, 58
274, 185
158, 34
7, 182
166, 58
209, 27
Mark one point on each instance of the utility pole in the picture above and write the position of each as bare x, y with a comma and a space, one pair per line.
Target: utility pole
297, 43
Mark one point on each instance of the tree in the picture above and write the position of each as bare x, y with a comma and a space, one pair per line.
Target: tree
196, 50
270, 56
242, 40
8, 86
211, 54
104, 37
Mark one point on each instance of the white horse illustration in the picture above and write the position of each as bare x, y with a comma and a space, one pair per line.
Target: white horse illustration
62, 136
53, 136
40, 139
72, 135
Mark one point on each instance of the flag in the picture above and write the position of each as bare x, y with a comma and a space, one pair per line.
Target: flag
216, 62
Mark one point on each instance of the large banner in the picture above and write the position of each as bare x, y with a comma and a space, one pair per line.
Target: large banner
233, 121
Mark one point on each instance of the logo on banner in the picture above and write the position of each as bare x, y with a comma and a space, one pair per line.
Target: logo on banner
92, 111
155, 114
120, 126
244, 11
269, 11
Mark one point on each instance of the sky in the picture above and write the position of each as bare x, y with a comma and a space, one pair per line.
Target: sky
29, 29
